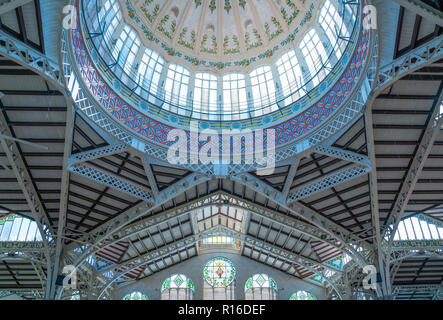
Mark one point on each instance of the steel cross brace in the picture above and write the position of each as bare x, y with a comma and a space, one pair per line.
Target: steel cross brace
333, 152
328, 181
110, 180
26, 184
97, 153
30, 58
341, 234
414, 60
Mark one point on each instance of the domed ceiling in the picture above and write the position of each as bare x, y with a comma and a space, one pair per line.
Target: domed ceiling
219, 33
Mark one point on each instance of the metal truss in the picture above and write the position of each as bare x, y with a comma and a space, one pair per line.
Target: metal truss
106, 234
294, 259
414, 60
19, 52
110, 180
434, 290
380, 255
426, 11
427, 142
282, 219
328, 181
137, 262
327, 150
342, 235
162, 252
98, 153
25, 182
259, 186
51, 291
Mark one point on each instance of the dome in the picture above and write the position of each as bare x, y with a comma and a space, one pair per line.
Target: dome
222, 61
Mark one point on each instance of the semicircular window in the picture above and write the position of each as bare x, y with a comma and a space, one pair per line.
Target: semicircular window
302, 295
219, 275
177, 287
261, 287
135, 296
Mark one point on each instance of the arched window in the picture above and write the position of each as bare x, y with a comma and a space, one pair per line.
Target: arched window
260, 287
418, 228
109, 17
176, 88
234, 97
177, 287
263, 91
291, 77
316, 57
150, 69
205, 95
302, 295
332, 23
135, 296
219, 279
17, 228
126, 49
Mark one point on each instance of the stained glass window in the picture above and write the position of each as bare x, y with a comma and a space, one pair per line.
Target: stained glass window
302, 295
219, 272
260, 281
136, 296
177, 287
260, 287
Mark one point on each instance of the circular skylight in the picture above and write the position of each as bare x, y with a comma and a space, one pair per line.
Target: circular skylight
227, 61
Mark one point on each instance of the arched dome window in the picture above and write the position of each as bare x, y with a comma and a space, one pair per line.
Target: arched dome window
219, 276
302, 295
150, 69
333, 25
291, 77
126, 49
176, 88
263, 90
315, 56
205, 95
135, 296
177, 287
105, 18
260, 287
235, 102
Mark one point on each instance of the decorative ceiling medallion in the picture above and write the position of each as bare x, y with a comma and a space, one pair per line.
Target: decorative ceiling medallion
225, 34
